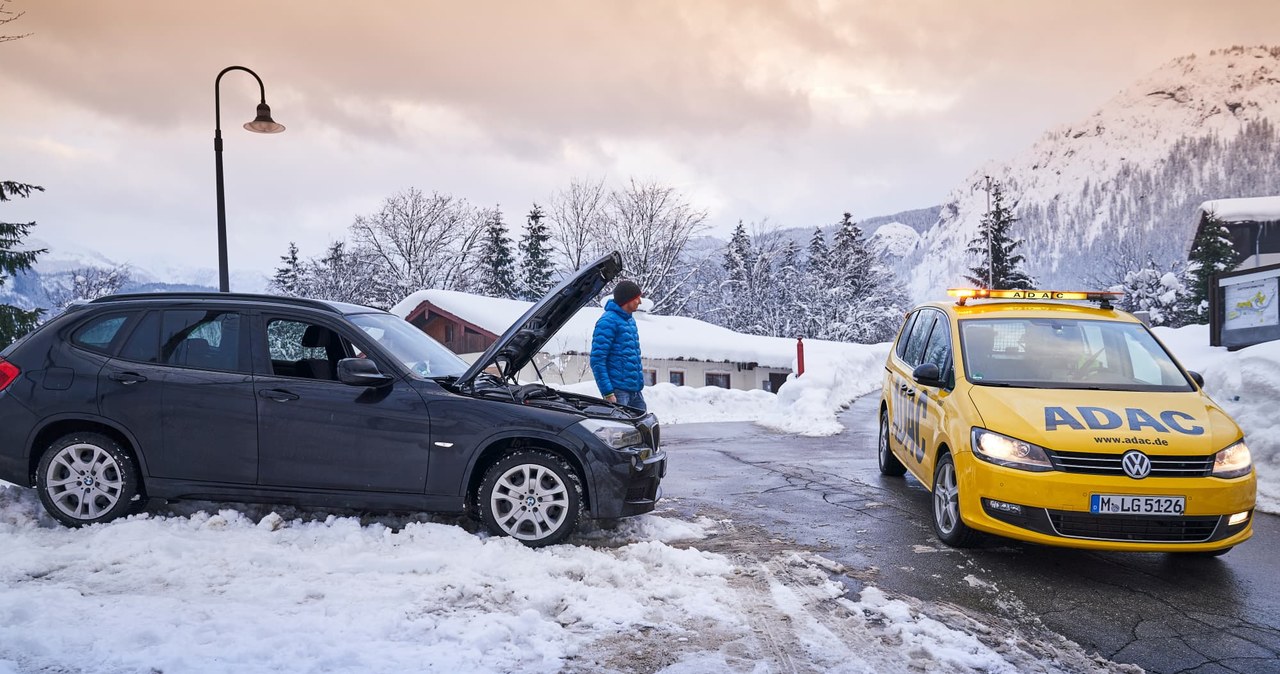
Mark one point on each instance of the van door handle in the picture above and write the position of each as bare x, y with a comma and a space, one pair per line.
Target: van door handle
126, 378
278, 395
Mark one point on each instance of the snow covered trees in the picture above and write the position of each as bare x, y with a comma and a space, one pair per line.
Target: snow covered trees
1000, 265
87, 283
496, 264
768, 286
536, 276
1211, 253
14, 321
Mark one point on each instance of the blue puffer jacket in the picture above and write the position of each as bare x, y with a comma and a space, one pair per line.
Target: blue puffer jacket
615, 352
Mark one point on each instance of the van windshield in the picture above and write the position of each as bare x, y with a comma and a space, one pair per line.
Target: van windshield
1067, 353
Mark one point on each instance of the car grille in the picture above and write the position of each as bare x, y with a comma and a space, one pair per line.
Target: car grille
1133, 528
650, 431
1110, 464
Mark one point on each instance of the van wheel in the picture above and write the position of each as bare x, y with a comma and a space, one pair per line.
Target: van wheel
889, 464
532, 496
947, 522
86, 478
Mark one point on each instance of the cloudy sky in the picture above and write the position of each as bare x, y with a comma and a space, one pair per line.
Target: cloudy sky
785, 111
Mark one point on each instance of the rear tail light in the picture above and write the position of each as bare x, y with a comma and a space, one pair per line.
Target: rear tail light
8, 373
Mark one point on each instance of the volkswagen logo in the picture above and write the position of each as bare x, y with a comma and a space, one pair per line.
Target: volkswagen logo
1136, 464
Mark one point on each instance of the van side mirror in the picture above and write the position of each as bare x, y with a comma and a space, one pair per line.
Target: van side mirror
927, 374
1197, 378
361, 372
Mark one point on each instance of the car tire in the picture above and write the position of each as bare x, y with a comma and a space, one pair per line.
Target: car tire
86, 478
889, 464
947, 522
531, 495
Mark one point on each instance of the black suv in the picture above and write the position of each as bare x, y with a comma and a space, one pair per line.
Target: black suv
219, 396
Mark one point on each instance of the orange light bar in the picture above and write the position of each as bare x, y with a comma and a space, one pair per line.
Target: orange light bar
1103, 296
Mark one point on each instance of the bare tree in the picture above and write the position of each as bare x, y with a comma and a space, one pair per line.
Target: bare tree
8, 16
650, 225
576, 215
420, 242
87, 283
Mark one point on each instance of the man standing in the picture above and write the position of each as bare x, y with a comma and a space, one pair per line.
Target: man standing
615, 349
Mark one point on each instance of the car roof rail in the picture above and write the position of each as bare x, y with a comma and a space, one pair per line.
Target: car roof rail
241, 297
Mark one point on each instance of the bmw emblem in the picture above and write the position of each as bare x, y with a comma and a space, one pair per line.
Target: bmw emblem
1136, 464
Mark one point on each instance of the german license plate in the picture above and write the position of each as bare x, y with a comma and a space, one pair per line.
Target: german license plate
1118, 504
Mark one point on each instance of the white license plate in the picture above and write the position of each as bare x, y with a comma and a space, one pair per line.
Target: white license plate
1117, 504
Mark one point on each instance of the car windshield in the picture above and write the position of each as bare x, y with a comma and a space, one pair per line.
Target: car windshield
1066, 353
423, 355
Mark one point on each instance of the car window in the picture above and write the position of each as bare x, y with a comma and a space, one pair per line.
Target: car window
208, 340
919, 333
99, 333
304, 349
938, 349
905, 334
143, 344
421, 354
1067, 353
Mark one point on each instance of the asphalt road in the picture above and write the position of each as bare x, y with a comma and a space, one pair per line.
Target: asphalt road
1163, 612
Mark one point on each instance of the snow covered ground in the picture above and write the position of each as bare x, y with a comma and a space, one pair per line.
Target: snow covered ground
204, 587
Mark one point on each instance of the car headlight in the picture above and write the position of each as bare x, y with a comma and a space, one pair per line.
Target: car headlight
613, 433
1003, 450
1233, 461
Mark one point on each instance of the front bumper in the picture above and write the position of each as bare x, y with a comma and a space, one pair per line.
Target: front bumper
626, 481
1053, 508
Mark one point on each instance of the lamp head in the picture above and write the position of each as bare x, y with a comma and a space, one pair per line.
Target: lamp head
263, 122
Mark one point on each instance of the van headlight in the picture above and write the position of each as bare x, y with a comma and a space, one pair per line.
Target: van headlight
1233, 461
613, 433
1003, 450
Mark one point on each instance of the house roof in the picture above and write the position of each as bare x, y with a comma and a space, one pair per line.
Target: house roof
1253, 209
660, 336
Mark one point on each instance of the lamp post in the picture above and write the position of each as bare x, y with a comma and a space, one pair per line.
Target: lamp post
260, 124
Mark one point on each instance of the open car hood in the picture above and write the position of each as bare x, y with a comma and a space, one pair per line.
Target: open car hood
526, 337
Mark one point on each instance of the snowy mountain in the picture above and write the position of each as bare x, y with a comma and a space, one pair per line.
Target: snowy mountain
1128, 178
54, 269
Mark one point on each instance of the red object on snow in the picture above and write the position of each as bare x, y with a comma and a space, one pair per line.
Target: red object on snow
799, 356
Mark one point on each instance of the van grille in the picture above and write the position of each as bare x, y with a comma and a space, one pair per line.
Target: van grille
1110, 464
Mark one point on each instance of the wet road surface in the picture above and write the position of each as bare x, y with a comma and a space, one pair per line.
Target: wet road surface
1163, 612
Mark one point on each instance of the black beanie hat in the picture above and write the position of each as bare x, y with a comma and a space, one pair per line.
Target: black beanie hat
625, 291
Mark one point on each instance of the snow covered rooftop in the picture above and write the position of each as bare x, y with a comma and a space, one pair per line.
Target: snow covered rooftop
660, 336
1255, 209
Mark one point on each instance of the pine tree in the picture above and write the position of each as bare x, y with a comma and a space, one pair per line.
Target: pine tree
15, 322
497, 268
535, 257
288, 275
1211, 253
1000, 265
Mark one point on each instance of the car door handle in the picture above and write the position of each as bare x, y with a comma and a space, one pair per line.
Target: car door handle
126, 378
278, 395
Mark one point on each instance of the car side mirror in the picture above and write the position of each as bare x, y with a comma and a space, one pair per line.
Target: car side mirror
361, 372
927, 374
1197, 378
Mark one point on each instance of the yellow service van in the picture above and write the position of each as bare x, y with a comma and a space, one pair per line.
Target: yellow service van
1034, 416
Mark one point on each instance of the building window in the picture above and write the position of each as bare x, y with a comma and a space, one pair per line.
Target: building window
650, 377
720, 379
448, 332
676, 377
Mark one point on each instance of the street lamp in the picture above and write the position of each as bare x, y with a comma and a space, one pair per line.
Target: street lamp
260, 124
